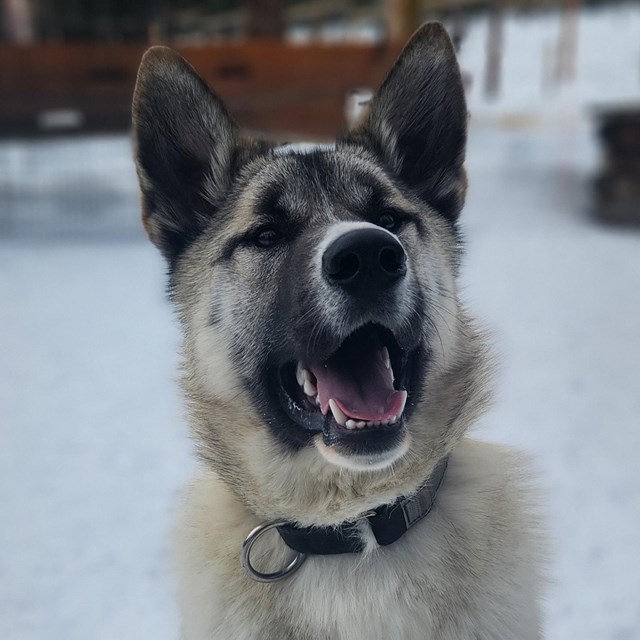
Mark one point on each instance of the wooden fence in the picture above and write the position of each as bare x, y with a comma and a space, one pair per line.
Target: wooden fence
269, 85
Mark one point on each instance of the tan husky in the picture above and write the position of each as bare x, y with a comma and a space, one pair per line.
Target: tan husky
331, 371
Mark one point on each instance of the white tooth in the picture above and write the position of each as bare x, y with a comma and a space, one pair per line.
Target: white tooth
392, 419
317, 400
386, 358
404, 402
338, 416
361, 424
300, 374
350, 424
310, 389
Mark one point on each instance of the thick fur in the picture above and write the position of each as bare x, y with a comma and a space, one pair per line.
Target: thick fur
469, 570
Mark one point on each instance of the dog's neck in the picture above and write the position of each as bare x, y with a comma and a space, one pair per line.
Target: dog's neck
388, 523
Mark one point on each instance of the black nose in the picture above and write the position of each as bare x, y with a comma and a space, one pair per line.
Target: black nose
364, 261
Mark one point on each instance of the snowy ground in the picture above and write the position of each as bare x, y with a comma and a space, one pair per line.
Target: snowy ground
562, 295
94, 448
92, 443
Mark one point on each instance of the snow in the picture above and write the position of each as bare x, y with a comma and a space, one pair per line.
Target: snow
94, 447
607, 63
71, 188
561, 294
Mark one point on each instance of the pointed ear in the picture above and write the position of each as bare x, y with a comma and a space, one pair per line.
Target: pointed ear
184, 146
417, 121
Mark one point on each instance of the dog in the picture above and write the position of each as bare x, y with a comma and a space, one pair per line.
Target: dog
331, 372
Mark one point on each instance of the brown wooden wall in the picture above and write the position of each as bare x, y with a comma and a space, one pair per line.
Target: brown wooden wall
269, 86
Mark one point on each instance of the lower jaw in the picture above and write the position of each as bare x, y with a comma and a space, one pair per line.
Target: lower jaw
366, 455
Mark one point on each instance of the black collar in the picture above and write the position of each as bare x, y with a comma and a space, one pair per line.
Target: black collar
388, 522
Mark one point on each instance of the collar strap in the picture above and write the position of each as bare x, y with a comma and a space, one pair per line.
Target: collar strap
388, 522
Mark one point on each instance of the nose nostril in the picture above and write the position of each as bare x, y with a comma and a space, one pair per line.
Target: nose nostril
392, 260
363, 261
347, 267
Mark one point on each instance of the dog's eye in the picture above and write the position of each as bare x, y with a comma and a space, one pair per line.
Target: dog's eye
390, 221
266, 237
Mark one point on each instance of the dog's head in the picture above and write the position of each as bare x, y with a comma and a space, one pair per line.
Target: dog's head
328, 363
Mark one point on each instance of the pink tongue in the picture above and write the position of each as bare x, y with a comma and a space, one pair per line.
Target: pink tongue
360, 383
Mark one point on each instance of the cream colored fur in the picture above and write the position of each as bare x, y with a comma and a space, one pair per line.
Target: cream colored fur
470, 570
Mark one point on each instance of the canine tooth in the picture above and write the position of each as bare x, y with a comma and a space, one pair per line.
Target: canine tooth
310, 389
386, 358
300, 374
338, 416
404, 402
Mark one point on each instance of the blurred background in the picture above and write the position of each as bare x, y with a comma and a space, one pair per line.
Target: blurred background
93, 445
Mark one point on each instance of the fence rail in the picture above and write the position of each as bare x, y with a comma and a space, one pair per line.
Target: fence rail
269, 85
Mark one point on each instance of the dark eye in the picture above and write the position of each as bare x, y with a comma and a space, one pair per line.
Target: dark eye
266, 237
390, 220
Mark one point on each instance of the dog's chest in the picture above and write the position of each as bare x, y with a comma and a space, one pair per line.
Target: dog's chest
468, 571
375, 597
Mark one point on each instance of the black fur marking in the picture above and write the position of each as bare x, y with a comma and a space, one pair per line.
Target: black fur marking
313, 163
228, 249
270, 204
215, 313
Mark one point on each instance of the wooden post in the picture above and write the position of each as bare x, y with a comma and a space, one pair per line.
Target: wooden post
403, 18
568, 41
157, 21
17, 18
458, 29
548, 80
266, 18
495, 35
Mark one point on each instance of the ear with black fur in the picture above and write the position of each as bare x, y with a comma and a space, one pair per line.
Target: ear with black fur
184, 144
418, 121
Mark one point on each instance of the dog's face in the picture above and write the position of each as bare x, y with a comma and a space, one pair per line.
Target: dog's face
316, 285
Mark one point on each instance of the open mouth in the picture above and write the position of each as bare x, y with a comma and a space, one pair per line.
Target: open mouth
357, 397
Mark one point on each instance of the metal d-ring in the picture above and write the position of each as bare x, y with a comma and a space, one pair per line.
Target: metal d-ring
245, 556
